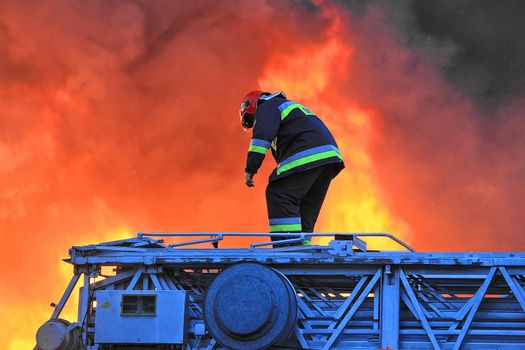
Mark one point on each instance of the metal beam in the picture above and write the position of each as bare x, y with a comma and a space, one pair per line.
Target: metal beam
72, 284
83, 307
390, 300
156, 281
342, 324
135, 279
478, 297
417, 307
516, 288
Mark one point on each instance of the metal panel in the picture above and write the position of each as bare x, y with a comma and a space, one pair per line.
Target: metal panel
166, 325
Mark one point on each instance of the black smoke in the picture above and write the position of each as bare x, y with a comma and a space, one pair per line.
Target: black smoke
488, 40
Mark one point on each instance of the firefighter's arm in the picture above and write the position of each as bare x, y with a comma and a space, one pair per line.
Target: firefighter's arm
267, 122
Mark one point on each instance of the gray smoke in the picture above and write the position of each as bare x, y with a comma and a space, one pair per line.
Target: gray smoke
478, 45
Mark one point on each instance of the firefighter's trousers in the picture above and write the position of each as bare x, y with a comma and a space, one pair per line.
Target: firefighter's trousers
294, 202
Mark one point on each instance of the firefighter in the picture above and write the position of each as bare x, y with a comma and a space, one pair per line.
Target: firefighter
306, 154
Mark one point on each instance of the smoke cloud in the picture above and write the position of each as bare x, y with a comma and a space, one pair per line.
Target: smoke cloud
451, 116
122, 116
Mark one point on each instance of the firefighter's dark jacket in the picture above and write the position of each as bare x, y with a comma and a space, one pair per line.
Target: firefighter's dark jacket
298, 139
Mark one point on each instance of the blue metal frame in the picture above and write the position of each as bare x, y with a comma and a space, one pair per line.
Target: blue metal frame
348, 297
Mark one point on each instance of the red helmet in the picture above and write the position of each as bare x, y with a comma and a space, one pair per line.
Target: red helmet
249, 107
250, 103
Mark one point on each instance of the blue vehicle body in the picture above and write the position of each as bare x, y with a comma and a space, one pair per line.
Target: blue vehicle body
191, 296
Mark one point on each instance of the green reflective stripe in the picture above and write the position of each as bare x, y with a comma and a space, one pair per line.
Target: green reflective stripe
308, 159
258, 149
288, 109
286, 228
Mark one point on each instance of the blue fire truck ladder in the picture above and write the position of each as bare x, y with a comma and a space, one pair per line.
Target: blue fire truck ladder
194, 295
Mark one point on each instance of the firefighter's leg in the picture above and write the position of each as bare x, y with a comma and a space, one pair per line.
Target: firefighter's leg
312, 202
283, 197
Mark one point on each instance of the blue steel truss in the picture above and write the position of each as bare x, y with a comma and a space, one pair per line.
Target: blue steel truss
348, 297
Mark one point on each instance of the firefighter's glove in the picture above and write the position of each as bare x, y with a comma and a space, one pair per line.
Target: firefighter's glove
249, 180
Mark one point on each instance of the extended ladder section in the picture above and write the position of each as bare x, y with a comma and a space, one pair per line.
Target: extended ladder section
193, 294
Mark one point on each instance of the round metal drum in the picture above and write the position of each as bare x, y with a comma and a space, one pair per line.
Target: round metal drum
250, 306
287, 331
56, 335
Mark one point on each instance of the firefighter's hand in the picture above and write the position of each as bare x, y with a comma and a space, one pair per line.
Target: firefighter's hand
249, 180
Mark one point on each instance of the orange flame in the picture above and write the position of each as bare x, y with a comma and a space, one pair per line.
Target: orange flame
117, 117
355, 202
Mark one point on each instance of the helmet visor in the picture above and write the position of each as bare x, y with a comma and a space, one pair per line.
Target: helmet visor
247, 120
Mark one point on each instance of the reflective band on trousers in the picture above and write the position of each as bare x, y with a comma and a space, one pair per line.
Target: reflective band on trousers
309, 156
286, 224
259, 146
288, 106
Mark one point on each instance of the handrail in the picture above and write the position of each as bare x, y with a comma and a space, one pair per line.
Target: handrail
218, 236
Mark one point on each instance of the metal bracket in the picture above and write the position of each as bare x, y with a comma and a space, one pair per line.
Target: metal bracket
92, 271
341, 248
346, 247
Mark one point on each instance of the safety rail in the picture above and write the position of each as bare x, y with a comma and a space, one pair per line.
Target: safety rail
216, 237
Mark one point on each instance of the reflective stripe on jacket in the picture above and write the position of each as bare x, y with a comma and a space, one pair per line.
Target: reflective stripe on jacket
299, 140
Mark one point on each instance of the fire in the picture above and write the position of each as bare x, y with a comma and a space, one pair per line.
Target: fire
118, 117
355, 202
